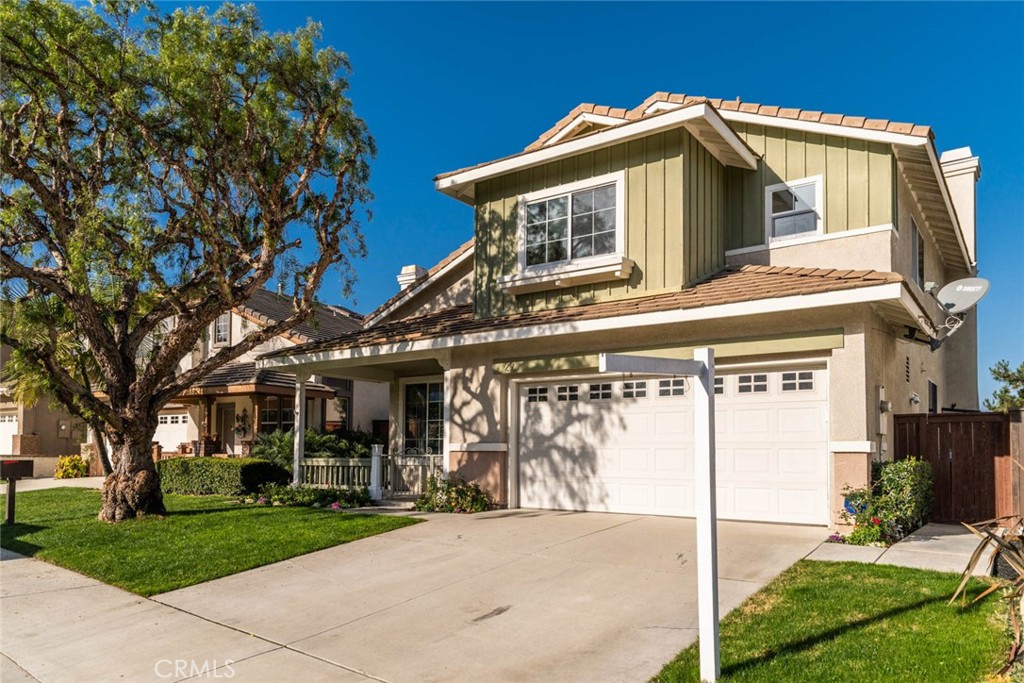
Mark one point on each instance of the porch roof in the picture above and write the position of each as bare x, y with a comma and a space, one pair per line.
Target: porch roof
237, 378
732, 285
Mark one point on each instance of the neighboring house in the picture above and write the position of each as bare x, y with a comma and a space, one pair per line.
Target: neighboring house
797, 244
38, 430
231, 404
238, 400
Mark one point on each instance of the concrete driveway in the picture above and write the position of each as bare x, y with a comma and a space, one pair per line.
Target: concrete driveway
502, 596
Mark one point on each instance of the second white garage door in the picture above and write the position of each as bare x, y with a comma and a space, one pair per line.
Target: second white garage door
619, 445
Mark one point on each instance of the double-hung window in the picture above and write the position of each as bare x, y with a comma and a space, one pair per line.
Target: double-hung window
222, 329
574, 225
794, 209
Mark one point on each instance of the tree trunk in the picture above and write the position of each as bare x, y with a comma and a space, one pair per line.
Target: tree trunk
133, 488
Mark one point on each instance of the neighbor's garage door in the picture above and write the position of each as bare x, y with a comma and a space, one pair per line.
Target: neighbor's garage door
8, 428
627, 446
172, 430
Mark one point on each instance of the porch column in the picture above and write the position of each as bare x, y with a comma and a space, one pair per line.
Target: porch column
300, 425
257, 411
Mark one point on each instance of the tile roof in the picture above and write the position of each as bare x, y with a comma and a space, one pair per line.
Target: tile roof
234, 374
327, 322
637, 113
731, 285
439, 266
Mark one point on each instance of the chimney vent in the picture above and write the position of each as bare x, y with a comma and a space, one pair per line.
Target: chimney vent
962, 170
409, 275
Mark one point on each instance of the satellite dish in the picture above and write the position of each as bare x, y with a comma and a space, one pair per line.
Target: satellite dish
962, 295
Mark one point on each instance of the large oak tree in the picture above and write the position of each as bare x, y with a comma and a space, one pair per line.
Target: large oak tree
155, 168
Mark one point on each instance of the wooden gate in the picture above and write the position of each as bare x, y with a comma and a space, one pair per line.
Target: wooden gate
972, 456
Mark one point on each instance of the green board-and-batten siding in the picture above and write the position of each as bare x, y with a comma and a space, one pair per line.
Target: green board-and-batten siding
858, 176
674, 210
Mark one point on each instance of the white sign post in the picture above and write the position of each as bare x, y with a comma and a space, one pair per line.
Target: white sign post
702, 369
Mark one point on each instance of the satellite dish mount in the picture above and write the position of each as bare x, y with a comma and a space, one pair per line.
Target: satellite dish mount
956, 299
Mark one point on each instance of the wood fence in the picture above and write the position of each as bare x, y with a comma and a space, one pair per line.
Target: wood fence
972, 457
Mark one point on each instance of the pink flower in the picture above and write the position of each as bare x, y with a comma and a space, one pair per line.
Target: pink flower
335, 505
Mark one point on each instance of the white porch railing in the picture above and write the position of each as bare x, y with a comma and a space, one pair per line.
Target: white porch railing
401, 475
336, 472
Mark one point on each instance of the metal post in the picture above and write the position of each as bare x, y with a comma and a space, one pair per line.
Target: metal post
12, 485
707, 535
300, 427
376, 458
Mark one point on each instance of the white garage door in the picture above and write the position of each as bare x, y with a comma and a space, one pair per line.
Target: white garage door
8, 428
626, 445
172, 430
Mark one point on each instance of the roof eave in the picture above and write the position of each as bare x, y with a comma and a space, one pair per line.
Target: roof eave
873, 293
732, 151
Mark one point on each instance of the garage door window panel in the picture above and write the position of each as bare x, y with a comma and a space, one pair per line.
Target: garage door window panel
752, 384
798, 381
600, 392
672, 387
634, 389
569, 392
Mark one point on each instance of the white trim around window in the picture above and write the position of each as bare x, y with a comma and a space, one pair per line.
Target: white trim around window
220, 339
817, 181
570, 270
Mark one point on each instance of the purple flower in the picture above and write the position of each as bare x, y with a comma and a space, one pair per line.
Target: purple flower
261, 501
836, 538
335, 505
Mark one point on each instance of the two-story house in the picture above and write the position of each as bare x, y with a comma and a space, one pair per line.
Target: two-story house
231, 405
803, 247
238, 400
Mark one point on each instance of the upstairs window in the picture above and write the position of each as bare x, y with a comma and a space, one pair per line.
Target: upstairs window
573, 222
222, 329
794, 209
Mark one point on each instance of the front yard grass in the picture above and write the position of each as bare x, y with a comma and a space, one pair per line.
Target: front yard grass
847, 621
201, 538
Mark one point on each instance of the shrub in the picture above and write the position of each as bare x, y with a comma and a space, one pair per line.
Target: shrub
275, 447
309, 496
278, 447
223, 476
70, 467
453, 494
898, 502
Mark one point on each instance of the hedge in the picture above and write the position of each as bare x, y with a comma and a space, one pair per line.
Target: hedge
223, 476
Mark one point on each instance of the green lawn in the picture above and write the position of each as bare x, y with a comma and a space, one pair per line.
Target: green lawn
202, 537
847, 621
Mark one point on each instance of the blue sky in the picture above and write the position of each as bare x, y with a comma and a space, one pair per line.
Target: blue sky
446, 85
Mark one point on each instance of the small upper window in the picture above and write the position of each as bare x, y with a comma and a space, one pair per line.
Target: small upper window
798, 381
719, 385
537, 395
752, 384
671, 387
600, 391
917, 253
793, 209
569, 393
222, 329
634, 389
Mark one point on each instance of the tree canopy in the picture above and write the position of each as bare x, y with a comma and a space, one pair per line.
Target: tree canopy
1011, 392
157, 170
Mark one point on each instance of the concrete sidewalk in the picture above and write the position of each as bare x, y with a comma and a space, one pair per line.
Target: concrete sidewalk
51, 483
939, 547
59, 626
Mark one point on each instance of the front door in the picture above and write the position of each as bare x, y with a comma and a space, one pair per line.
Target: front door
226, 420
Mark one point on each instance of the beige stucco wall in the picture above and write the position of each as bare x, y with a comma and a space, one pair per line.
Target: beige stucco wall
857, 251
455, 289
